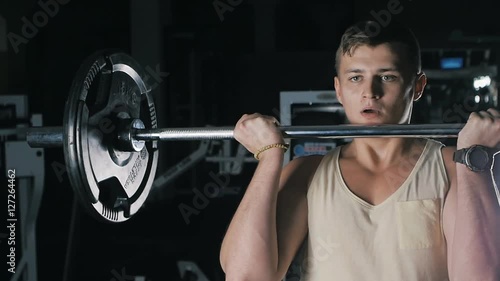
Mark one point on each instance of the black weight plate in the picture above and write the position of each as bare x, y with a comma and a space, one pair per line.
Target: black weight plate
110, 184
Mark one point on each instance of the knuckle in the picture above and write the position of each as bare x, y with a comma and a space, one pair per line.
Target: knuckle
242, 118
473, 116
243, 124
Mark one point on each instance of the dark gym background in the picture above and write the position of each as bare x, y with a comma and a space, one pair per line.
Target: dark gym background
219, 65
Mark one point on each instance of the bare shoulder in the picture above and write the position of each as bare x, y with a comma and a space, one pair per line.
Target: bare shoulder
306, 160
300, 171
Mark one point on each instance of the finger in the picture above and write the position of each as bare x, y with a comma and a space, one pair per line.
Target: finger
275, 121
474, 115
486, 115
271, 119
493, 112
481, 115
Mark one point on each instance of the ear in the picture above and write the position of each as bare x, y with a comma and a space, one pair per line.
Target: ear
338, 92
420, 83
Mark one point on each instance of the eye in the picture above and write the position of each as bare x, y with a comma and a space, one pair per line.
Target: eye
355, 78
388, 78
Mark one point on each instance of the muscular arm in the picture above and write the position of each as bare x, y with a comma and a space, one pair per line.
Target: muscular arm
471, 224
270, 222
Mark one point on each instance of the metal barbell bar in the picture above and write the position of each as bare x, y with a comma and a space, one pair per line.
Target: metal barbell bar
44, 137
322, 131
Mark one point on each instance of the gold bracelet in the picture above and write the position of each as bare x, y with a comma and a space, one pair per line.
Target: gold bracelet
284, 146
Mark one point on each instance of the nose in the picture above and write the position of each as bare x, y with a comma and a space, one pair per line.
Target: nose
373, 90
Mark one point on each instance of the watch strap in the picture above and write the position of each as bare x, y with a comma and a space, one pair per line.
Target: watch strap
459, 155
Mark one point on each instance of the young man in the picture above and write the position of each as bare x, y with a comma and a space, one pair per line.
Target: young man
376, 208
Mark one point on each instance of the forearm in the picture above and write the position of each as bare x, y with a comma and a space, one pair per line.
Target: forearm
476, 243
250, 245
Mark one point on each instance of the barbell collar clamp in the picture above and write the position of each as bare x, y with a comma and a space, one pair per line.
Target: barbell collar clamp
125, 140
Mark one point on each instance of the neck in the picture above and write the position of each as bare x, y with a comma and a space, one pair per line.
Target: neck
381, 153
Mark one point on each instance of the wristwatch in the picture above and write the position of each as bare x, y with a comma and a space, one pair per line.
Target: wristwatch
477, 158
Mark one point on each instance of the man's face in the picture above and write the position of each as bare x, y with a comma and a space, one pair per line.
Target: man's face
376, 86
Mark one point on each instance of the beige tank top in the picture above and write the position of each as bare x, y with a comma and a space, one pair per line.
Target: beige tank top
400, 239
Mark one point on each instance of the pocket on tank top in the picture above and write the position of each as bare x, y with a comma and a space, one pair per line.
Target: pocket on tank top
419, 223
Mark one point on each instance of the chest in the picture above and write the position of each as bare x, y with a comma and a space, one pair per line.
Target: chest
374, 187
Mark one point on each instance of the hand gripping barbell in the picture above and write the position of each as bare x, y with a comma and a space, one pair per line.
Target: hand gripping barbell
109, 135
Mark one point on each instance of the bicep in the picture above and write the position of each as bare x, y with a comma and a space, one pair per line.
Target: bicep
291, 215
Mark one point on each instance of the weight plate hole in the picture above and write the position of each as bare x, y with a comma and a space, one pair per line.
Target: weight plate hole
113, 196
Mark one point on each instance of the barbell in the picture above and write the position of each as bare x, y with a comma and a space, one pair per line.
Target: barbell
109, 135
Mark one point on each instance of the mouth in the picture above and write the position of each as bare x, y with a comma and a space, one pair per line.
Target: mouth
370, 113
370, 110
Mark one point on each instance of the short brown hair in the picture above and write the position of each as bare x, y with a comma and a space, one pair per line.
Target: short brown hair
372, 34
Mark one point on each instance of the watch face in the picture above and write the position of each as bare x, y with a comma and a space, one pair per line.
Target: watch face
478, 158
